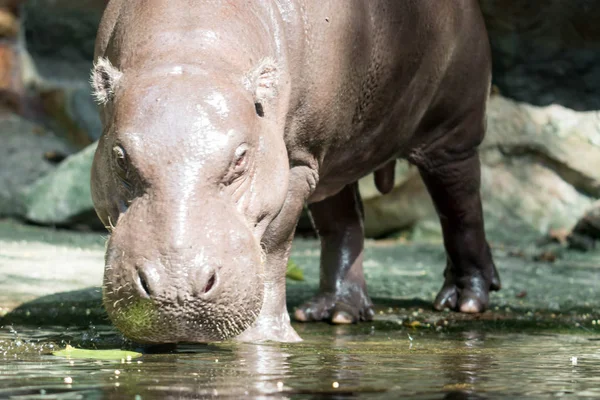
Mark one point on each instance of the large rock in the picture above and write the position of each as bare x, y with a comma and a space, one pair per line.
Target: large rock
60, 37
546, 52
71, 110
542, 164
541, 171
404, 207
63, 197
23, 159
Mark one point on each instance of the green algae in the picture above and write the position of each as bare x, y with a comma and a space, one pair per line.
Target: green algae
140, 315
72, 352
294, 272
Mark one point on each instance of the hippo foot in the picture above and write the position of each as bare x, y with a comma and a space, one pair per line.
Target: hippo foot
468, 294
274, 329
344, 308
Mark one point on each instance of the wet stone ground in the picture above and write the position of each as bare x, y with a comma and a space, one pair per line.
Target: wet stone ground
540, 339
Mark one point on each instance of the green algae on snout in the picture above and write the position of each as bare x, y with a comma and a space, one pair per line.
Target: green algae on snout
294, 272
72, 352
139, 315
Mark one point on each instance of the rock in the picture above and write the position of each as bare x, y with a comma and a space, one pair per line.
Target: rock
22, 159
586, 231
563, 140
546, 52
541, 166
63, 197
72, 111
9, 24
10, 82
540, 171
60, 37
402, 208
528, 198
11, 45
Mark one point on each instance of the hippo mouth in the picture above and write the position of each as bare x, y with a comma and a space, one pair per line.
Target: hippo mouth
223, 309
159, 321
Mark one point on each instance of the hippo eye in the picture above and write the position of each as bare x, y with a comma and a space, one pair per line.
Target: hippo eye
240, 157
120, 157
238, 164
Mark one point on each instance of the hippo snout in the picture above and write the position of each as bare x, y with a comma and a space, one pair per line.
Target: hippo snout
202, 283
206, 288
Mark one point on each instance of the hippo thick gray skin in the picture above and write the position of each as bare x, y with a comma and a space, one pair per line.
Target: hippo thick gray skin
222, 119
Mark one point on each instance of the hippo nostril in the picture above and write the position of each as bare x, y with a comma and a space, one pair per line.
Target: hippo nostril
143, 284
209, 284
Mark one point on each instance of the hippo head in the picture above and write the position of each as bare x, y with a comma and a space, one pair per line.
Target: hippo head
190, 170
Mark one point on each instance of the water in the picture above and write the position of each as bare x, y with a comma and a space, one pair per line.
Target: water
374, 361
546, 314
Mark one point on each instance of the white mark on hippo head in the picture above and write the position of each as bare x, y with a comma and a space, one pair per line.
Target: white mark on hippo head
202, 122
200, 258
187, 176
104, 79
262, 82
153, 275
209, 36
217, 100
135, 139
211, 139
177, 70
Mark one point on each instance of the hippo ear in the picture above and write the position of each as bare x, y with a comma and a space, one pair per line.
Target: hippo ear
104, 79
263, 82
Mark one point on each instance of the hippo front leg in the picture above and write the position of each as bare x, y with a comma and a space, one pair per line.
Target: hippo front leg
470, 272
273, 322
342, 296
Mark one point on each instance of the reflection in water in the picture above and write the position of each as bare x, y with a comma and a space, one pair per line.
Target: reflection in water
467, 367
462, 395
333, 362
232, 370
269, 363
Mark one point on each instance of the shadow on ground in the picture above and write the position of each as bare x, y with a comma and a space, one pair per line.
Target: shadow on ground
55, 282
84, 308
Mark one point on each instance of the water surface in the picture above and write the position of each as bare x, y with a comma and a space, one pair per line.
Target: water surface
375, 361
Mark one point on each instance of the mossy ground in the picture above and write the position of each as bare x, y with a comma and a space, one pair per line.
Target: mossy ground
403, 277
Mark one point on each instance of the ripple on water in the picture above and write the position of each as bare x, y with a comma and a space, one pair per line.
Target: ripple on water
375, 364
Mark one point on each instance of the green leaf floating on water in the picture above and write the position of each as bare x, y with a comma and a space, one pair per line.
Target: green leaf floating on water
294, 272
72, 352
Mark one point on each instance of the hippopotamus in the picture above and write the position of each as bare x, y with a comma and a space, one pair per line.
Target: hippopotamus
223, 119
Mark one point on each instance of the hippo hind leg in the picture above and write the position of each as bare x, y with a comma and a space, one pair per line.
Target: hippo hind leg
342, 296
470, 271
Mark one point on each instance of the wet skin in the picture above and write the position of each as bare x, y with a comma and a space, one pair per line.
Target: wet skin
222, 120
